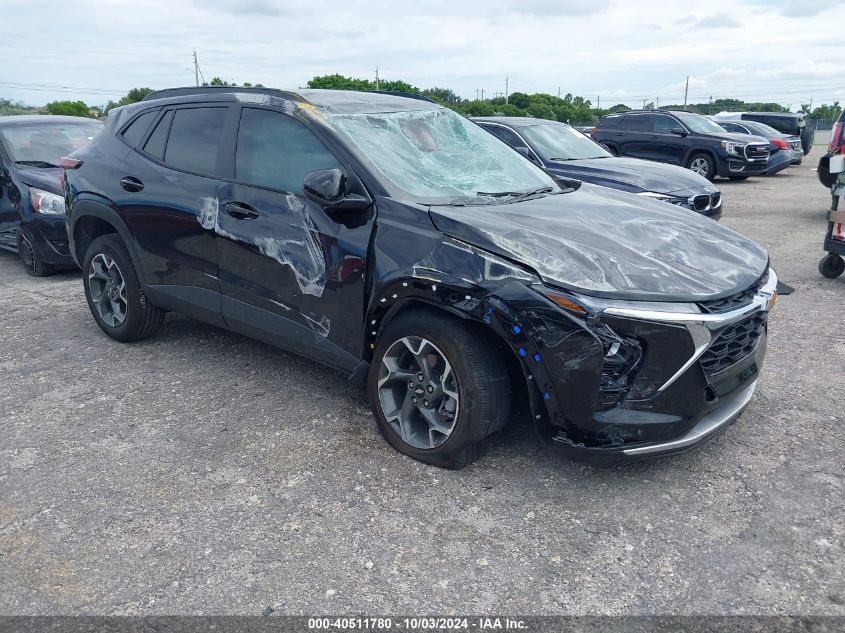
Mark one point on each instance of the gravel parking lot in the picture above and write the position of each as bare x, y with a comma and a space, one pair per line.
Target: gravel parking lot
201, 472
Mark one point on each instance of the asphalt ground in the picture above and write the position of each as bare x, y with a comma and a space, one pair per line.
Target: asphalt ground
200, 472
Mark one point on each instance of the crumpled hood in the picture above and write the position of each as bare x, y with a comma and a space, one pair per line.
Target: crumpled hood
613, 244
632, 174
46, 179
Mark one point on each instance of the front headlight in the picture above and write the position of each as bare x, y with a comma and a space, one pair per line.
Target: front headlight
732, 147
46, 203
664, 197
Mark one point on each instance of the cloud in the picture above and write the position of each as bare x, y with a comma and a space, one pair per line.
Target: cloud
720, 20
802, 9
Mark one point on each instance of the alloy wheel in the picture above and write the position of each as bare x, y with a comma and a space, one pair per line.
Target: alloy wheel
108, 290
27, 254
700, 166
418, 392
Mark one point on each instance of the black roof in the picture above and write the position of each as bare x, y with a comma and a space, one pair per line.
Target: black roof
337, 101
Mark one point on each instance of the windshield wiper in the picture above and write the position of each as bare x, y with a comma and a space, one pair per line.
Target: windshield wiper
35, 163
516, 195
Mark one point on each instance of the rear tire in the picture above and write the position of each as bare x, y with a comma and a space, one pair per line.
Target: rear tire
434, 345
703, 165
611, 148
32, 263
115, 297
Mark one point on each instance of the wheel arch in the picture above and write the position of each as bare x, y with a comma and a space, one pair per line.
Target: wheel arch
474, 306
91, 218
702, 150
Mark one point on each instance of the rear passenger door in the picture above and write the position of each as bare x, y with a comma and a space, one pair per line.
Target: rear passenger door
290, 273
169, 192
636, 140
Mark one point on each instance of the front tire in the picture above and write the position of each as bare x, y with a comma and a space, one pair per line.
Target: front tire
32, 263
703, 165
437, 388
115, 297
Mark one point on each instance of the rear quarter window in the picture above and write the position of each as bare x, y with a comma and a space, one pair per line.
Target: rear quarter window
135, 131
611, 121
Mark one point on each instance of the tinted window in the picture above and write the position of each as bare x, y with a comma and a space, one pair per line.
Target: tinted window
505, 134
277, 151
612, 121
195, 139
638, 122
664, 124
136, 130
155, 144
733, 127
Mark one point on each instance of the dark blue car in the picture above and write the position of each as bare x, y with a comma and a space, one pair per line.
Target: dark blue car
32, 206
565, 152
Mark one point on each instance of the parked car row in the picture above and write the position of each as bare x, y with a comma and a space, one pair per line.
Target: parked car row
736, 150
397, 241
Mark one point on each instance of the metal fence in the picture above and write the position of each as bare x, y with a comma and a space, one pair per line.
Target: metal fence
821, 124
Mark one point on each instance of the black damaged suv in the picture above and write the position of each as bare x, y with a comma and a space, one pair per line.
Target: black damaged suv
686, 139
393, 239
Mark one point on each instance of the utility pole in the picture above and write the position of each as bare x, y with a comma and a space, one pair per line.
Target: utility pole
644, 104
482, 94
506, 88
811, 104
686, 92
376, 77
710, 105
657, 103
476, 94
598, 102
558, 92
196, 69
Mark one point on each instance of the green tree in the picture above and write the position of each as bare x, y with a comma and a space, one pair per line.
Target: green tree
519, 100
441, 95
619, 107
339, 82
475, 108
508, 109
69, 108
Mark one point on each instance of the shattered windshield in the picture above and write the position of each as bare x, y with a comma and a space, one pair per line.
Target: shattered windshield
439, 157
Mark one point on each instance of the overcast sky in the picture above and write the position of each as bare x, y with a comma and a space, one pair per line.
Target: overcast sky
621, 50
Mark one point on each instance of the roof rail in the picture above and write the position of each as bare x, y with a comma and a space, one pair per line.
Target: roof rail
204, 90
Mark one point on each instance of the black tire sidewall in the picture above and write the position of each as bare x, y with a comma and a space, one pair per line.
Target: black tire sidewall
133, 324
468, 432
40, 269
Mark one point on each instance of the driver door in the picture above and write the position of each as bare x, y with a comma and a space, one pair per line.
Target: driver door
290, 273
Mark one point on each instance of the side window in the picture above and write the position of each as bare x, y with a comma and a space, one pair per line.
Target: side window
506, 135
155, 144
613, 121
730, 127
194, 139
638, 122
136, 130
277, 151
664, 124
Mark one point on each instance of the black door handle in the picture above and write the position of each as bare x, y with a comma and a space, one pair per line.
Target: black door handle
619, 134
131, 184
241, 211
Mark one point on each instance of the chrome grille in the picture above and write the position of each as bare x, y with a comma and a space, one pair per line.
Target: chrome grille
757, 150
734, 343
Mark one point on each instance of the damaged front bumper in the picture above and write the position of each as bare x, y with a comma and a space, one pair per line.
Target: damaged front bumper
689, 370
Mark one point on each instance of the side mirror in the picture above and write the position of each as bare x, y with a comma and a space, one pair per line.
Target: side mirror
679, 131
527, 153
327, 187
